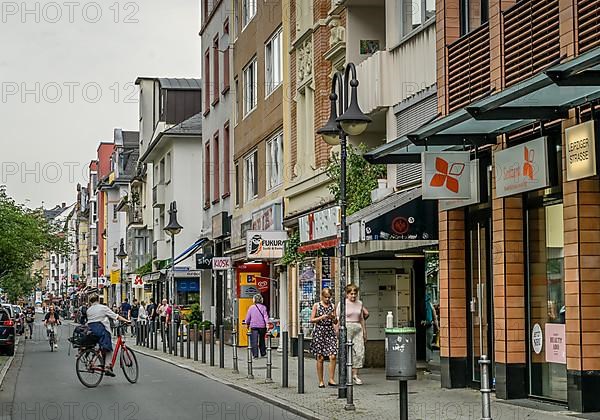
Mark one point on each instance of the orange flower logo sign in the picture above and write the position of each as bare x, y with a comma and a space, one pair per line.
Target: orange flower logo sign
447, 177
528, 164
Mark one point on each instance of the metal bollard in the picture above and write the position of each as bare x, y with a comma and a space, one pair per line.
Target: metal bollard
212, 345
269, 378
284, 360
300, 363
203, 343
250, 375
138, 337
162, 337
222, 346
484, 363
234, 335
155, 330
349, 389
195, 343
188, 342
181, 340
175, 339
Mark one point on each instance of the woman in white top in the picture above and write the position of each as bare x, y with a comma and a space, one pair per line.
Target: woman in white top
356, 314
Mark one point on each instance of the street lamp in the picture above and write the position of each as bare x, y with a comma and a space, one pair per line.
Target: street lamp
173, 228
121, 256
351, 122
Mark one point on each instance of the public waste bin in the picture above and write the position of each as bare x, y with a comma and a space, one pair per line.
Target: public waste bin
401, 353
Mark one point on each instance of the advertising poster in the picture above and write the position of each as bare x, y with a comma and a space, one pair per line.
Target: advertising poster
556, 348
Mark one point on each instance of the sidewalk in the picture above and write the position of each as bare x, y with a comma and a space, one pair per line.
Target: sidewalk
377, 398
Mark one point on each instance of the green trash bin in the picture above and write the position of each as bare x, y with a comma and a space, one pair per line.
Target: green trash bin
401, 353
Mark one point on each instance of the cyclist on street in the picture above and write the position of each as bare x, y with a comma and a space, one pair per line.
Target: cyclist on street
98, 321
51, 320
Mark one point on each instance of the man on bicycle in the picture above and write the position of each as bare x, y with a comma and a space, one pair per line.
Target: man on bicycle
98, 321
51, 320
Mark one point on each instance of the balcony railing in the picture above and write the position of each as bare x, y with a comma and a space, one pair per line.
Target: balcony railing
469, 68
374, 92
135, 215
531, 38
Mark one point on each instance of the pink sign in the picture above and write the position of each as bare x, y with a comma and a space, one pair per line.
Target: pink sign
556, 347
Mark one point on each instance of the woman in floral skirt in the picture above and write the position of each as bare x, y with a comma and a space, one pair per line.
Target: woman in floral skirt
324, 339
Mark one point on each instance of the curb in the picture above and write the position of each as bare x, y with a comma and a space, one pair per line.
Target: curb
276, 402
8, 364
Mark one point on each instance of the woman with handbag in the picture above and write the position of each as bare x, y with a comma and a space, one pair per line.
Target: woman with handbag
257, 320
356, 315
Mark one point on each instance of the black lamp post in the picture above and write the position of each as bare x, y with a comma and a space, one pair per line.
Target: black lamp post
351, 122
173, 228
121, 255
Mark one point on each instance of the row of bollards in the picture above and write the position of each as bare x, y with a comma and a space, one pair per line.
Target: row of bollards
147, 335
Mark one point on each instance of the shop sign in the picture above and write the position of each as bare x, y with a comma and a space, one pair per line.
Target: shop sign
521, 168
203, 261
581, 151
446, 175
138, 282
555, 343
268, 218
187, 273
115, 277
475, 188
265, 244
188, 286
319, 225
537, 339
221, 263
415, 220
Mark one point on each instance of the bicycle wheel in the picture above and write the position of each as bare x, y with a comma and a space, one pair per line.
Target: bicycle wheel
89, 367
51, 341
129, 364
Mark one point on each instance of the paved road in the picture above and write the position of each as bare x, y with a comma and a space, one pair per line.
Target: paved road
42, 385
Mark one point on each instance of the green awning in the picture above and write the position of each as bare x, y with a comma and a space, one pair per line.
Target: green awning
548, 95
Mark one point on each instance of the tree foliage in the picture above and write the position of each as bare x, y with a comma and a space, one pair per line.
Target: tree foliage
25, 236
361, 178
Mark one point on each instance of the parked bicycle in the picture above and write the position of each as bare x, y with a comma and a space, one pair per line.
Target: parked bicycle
89, 364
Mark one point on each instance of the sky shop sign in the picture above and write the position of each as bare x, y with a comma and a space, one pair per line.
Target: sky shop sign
581, 151
521, 168
446, 175
267, 245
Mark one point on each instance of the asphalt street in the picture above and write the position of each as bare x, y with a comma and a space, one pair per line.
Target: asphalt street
42, 385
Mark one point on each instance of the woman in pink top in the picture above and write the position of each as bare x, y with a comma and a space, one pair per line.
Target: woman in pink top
356, 329
257, 319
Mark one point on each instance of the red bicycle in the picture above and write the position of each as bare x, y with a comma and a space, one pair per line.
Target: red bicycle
90, 362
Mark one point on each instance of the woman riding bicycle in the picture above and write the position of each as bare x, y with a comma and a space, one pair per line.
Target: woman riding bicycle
50, 321
98, 321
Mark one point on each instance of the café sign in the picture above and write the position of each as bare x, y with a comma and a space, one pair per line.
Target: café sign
521, 168
267, 245
581, 151
446, 175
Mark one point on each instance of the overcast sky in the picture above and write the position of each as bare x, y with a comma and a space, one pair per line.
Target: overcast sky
66, 81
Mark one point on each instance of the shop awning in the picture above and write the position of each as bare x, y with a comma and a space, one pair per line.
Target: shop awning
548, 95
401, 150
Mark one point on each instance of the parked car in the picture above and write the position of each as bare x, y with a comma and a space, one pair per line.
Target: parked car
8, 307
7, 332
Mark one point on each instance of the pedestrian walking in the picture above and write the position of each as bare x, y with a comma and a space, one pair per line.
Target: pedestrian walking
324, 339
431, 327
257, 319
29, 319
133, 316
356, 314
162, 313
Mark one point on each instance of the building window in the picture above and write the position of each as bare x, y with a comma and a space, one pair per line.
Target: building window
238, 185
274, 161
226, 57
236, 108
248, 11
473, 13
207, 174
226, 169
250, 177
162, 171
216, 82
250, 87
217, 163
273, 62
412, 14
115, 213
207, 81
114, 255
168, 168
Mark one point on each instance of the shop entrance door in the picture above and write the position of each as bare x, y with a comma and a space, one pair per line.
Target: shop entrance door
480, 296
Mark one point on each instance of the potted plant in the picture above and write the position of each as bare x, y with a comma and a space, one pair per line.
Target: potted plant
194, 319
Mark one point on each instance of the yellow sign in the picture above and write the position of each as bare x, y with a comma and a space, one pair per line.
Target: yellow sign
581, 151
115, 277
